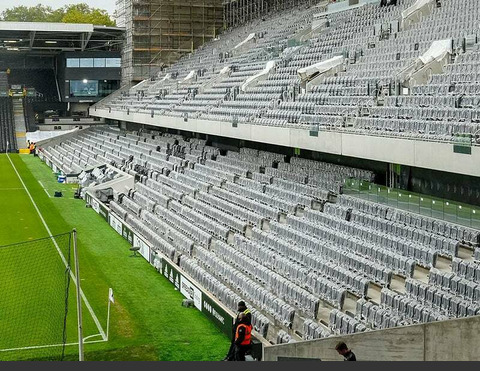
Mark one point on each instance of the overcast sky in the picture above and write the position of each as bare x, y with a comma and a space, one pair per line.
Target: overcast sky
108, 5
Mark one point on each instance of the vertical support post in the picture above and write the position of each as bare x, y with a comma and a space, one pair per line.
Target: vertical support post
108, 318
79, 298
110, 300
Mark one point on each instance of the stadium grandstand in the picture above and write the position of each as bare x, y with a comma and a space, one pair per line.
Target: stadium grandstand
318, 160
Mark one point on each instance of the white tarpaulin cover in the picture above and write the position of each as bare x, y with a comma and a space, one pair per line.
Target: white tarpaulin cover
265, 71
37, 136
419, 4
320, 68
249, 37
225, 70
190, 75
166, 77
437, 51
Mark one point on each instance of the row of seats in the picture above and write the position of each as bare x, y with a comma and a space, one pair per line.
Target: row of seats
373, 61
227, 229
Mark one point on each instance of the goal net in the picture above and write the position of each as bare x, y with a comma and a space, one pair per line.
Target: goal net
34, 298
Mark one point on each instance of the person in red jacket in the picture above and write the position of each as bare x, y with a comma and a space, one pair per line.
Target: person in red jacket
243, 337
242, 308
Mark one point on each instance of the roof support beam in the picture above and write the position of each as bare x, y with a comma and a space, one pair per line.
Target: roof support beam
32, 39
85, 39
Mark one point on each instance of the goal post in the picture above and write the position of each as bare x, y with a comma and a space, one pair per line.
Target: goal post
79, 298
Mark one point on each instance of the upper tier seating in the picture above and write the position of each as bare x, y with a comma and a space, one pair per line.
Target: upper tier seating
359, 100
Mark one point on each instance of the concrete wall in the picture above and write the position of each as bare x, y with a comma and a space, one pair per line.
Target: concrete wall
422, 154
439, 341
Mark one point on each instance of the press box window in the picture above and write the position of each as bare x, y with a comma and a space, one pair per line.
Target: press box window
86, 62
114, 62
99, 62
83, 88
73, 62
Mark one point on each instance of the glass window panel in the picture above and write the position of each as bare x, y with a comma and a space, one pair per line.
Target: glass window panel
392, 197
382, 194
437, 208
402, 200
113, 62
476, 218
450, 211
86, 62
83, 88
425, 205
464, 214
106, 87
414, 203
73, 62
99, 62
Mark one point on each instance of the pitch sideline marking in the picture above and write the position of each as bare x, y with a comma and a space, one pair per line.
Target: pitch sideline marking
87, 304
44, 189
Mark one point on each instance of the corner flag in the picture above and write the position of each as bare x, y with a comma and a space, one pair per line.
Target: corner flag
111, 299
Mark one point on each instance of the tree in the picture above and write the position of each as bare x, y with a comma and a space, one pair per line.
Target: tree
76, 13
38, 13
82, 13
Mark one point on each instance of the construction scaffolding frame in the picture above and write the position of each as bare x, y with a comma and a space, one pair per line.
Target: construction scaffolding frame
159, 32
238, 12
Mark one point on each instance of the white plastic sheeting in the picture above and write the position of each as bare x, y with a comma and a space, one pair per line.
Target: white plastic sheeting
225, 70
168, 76
268, 67
437, 51
249, 37
190, 75
419, 4
37, 136
320, 68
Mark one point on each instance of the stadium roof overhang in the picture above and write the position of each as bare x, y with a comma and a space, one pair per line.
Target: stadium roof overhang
53, 38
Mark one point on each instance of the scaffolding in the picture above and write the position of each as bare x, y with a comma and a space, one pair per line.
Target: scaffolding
238, 12
159, 32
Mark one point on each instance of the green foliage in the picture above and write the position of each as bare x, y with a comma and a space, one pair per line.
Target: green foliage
82, 13
37, 13
75, 13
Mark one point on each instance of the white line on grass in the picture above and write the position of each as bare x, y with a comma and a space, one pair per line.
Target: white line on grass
87, 304
44, 189
51, 345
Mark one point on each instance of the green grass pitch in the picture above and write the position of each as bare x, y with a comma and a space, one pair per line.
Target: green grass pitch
147, 320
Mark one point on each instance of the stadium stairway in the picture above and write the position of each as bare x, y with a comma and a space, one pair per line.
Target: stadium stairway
19, 119
3, 83
8, 140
